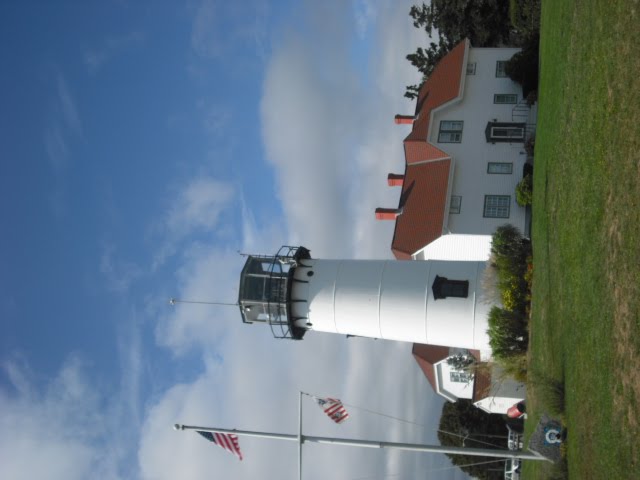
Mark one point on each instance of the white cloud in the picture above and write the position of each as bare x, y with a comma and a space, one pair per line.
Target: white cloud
51, 432
69, 111
114, 45
329, 131
198, 206
119, 274
195, 208
220, 27
72, 425
64, 124
365, 14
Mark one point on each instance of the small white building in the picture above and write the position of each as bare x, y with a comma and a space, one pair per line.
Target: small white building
490, 391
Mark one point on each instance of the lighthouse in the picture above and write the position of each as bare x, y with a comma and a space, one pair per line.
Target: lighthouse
427, 301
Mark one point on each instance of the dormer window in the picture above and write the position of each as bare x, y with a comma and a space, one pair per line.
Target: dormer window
443, 287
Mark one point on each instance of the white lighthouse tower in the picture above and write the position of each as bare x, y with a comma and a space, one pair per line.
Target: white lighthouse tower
432, 302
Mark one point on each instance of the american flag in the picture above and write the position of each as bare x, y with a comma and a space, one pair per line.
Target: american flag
228, 441
333, 408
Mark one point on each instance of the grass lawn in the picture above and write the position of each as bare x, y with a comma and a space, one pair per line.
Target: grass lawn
585, 325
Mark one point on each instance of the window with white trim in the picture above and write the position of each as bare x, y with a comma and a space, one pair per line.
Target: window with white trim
471, 68
502, 98
502, 168
501, 70
511, 133
497, 206
450, 131
454, 205
506, 132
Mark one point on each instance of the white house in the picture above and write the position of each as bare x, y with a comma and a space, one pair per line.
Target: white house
464, 156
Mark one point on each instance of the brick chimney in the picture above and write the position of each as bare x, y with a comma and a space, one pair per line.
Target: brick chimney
387, 213
395, 180
405, 119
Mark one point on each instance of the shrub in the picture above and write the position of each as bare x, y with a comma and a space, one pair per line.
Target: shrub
529, 145
507, 245
524, 191
508, 335
532, 97
523, 66
510, 252
549, 391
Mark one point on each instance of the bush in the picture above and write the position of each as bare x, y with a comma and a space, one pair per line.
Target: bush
530, 145
523, 66
524, 191
508, 335
515, 366
509, 254
508, 326
550, 393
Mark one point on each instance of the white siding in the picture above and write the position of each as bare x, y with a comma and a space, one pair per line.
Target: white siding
472, 156
505, 393
393, 300
450, 389
457, 247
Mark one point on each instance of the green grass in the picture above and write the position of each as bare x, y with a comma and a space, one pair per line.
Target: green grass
585, 325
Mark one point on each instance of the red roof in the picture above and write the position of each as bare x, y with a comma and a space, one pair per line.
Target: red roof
427, 356
425, 189
442, 86
423, 201
481, 385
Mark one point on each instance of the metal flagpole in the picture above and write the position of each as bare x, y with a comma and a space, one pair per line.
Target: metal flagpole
478, 452
174, 301
300, 436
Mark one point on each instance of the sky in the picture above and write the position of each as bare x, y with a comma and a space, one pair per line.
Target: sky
142, 146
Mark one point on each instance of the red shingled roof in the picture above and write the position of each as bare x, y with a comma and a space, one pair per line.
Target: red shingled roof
481, 385
425, 190
423, 201
442, 86
427, 356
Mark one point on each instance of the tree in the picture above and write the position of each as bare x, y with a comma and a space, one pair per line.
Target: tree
463, 422
425, 61
484, 22
462, 361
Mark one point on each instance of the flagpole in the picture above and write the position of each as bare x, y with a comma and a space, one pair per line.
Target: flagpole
478, 452
300, 436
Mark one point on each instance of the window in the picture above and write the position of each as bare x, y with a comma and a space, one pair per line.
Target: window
500, 168
505, 132
505, 98
460, 377
454, 205
443, 287
497, 206
450, 131
471, 68
515, 133
501, 68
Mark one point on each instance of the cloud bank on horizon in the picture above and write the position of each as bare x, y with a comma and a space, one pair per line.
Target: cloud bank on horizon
328, 139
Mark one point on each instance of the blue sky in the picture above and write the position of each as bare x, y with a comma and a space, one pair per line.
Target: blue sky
142, 145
